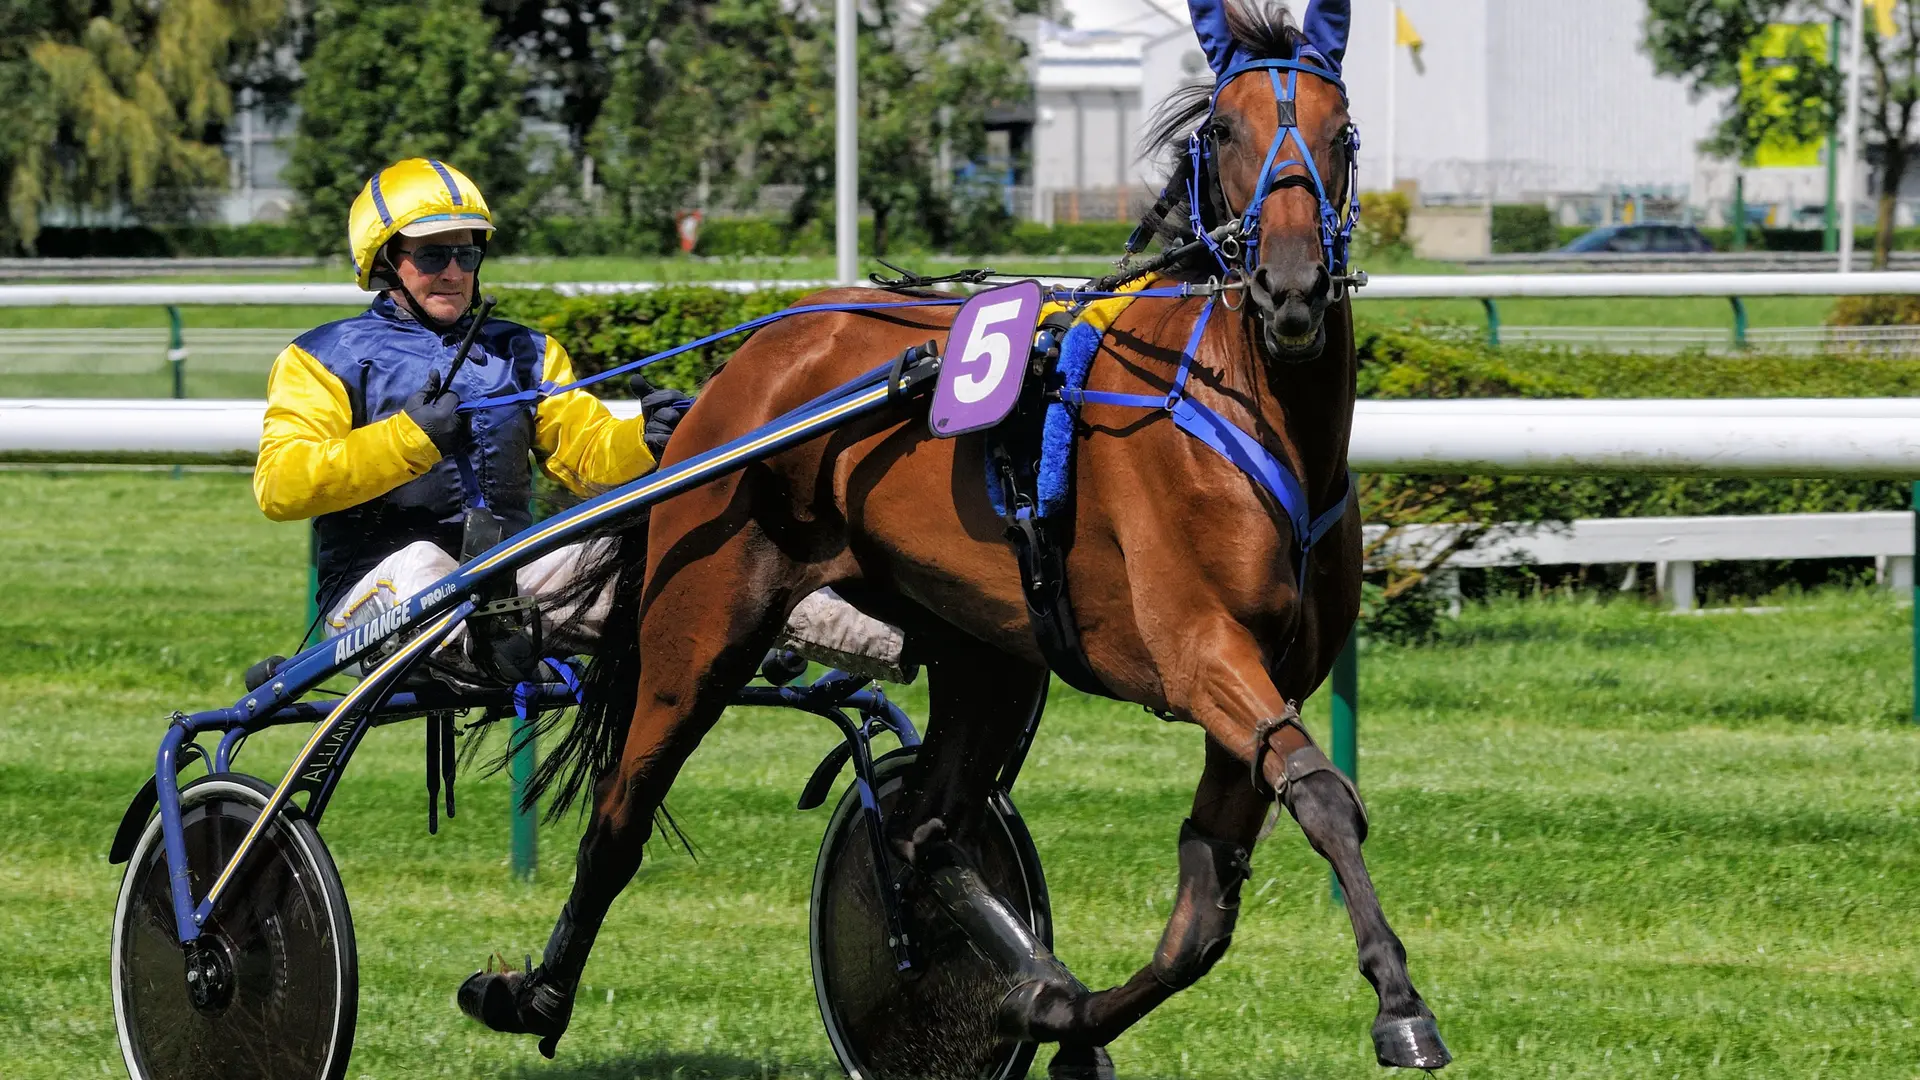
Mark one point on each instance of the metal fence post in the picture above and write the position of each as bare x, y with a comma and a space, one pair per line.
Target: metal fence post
177, 357
526, 820
1346, 719
1493, 322
313, 586
176, 352
1739, 323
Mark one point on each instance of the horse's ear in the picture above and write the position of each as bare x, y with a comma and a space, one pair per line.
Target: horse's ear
1326, 26
1216, 39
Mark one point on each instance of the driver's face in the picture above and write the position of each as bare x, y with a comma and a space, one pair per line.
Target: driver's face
446, 295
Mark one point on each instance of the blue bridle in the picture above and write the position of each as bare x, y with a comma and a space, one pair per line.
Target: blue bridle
1240, 251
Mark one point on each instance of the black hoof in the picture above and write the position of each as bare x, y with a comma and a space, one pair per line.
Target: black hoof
517, 1004
1080, 1063
1413, 1043
1041, 1010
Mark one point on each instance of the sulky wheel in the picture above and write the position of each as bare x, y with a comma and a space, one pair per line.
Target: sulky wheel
936, 1022
275, 988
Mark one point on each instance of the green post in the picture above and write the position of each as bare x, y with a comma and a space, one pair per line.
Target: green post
1493, 322
526, 835
177, 357
1831, 242
1739, 323
313, 586
526, 821
1916, 604
1739, 211
1346, 717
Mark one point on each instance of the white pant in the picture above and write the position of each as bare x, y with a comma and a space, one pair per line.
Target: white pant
824, 627
421, 563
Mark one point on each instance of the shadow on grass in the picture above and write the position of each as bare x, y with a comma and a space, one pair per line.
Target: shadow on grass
670, 1065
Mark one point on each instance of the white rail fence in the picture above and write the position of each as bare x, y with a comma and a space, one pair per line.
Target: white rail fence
1672, 544
1386, 287
55, 351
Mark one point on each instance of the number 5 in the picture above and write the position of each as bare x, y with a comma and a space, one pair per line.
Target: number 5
972, 385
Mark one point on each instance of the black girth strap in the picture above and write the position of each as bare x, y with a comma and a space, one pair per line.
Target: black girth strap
1043, 575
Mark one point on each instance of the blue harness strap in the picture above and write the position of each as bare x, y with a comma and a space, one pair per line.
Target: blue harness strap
1227, 439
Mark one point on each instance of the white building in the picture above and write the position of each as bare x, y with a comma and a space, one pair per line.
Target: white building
1519, 100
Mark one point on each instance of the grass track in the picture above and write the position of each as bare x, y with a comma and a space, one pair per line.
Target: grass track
1617, 843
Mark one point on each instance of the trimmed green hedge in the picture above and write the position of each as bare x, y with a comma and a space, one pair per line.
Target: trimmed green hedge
172, 241
606, 331
1523, 227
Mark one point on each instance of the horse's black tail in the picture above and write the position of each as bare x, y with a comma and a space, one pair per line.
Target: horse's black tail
591, 745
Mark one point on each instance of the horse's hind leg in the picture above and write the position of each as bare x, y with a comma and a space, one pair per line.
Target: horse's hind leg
703, 633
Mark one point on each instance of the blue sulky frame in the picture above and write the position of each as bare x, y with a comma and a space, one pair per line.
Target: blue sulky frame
410, 632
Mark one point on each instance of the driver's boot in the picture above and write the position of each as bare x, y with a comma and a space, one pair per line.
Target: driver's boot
538, 1002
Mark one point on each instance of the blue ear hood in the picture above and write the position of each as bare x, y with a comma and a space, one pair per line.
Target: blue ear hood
1326, 25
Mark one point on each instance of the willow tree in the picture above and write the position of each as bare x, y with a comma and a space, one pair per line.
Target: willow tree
114, 104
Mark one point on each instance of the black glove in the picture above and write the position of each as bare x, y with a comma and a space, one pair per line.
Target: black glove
435, 410
663, 410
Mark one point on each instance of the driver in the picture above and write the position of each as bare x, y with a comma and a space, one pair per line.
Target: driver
362, 436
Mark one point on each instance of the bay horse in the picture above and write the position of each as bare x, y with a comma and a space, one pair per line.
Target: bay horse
1189, 587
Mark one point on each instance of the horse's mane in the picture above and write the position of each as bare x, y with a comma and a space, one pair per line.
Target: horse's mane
1265, 30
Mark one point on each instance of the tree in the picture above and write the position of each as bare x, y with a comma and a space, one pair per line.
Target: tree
390, 80
117, 105
743, 90
569, 48
1706, 42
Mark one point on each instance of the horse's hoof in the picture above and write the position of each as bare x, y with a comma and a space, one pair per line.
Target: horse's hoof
1038, 1010
1080, 1062
517, 1004
1413, 1043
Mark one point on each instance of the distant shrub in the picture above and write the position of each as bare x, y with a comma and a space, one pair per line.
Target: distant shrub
1523, 227
1383, 220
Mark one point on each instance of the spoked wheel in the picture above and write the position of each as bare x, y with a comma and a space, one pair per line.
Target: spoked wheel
937, 1021
274, 987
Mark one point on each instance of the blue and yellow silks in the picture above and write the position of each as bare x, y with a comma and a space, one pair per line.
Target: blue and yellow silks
336, 447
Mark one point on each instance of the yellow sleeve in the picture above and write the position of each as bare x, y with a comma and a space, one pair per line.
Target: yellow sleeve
313, 460
580, 443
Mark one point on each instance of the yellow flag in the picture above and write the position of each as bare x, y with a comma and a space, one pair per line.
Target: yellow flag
1883, 23
1405, 34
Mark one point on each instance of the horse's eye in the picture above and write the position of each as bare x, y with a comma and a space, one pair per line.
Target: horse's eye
1220, 132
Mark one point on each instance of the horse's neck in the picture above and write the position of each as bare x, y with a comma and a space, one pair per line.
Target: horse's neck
1309, 404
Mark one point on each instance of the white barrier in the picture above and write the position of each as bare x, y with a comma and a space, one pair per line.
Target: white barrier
1385, 287
1791, 437
1672, 544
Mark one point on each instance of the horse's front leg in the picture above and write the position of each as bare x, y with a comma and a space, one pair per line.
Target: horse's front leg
1230, 695
1237, 703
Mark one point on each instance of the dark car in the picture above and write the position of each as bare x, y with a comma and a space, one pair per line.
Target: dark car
1642, 240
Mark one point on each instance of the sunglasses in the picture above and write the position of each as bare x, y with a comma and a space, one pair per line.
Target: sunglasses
433, 258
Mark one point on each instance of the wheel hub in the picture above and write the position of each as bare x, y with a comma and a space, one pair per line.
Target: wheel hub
209, 975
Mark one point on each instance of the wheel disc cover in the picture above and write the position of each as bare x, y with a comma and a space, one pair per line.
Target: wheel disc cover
279, 1012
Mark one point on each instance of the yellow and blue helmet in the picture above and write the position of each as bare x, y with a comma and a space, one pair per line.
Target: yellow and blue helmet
415, 197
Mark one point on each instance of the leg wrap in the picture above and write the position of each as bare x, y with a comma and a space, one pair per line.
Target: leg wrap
1300, 764
1201, 928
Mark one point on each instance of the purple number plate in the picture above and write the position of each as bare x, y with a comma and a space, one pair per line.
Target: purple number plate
986, 359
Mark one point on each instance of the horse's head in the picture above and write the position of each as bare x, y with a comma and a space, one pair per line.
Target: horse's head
1282, 149
1264, 184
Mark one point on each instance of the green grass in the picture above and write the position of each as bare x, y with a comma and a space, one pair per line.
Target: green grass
1617, 843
